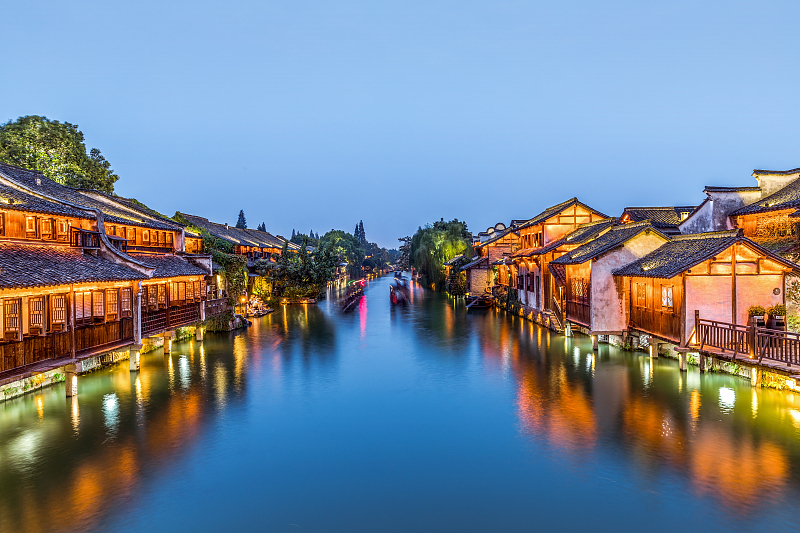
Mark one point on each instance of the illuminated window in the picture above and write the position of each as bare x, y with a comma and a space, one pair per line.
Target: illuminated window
2, 223
162, 296
126, 303
641, 295
11, 316
111, 304
152, 296
58, 312
666, 297
97, 305
36, 314
145, 237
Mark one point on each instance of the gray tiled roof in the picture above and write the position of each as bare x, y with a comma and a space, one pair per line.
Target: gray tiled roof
610, 240
21, 201
453, 261
234, 235
167, 266
474, 263
680, 254
786, 198
660, 217
118, 214
23, 265
580, 235
554, 210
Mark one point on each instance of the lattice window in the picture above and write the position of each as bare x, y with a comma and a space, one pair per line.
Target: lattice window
2, 223
11, 310
182, 291
36, 314
162, 296
126, 303
641, 295
152, 297
580, 290
146, 237
666, 296
112, 304
97, 304
58, 312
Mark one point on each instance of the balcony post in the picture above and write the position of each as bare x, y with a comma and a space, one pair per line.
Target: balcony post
137, 317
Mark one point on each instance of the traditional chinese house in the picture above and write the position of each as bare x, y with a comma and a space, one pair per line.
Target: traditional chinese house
665, 219
255, 245
496, 244
542, 239
592, 299
767, 213
719, 274
83, 273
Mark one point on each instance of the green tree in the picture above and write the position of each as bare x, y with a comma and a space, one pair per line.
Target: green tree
242, 222
347, 247
262, 227
57, 150
434, 244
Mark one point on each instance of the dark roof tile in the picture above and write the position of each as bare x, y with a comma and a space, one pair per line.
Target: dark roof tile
23, 265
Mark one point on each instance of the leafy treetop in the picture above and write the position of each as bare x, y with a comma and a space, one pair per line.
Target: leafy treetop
57, 150
242, 222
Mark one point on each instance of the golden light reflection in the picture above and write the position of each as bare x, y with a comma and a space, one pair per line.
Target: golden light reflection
694, 407
40, 407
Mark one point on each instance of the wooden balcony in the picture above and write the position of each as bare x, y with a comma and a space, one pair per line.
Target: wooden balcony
81, 238
154, 322
88, 340
579, 312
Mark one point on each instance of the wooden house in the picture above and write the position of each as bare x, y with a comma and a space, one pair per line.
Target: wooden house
76, 282
665, 219
719, 274
585, 273
542, 239
767, 213
498, 244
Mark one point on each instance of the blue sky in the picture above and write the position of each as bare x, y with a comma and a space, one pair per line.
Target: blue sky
315, 115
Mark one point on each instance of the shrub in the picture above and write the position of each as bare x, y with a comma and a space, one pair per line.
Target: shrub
777, 310
756, 310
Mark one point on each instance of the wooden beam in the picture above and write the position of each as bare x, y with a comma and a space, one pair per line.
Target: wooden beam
733, 283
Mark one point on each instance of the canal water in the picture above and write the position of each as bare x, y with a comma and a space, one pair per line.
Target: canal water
420, 418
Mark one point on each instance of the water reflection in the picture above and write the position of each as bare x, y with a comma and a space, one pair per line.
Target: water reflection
383, 404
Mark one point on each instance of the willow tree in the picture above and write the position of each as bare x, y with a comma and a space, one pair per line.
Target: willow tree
436, 243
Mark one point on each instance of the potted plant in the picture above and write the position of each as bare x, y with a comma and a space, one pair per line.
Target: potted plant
777, 317
757, 312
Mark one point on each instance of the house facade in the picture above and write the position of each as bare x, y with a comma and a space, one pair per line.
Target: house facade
83, 273
718, 274
593, 301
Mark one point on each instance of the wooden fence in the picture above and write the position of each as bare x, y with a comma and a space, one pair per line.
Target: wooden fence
753, 341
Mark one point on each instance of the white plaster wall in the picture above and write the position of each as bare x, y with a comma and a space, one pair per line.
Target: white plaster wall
756, 290
711, 295
608, 311
479, 280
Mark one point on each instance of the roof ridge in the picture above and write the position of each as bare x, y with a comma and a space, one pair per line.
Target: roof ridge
707, 235
792, 171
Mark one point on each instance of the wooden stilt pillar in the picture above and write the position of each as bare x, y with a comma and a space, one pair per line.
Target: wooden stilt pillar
135, 362
701, 360
594, 342
71, 381
682, 361
198, 333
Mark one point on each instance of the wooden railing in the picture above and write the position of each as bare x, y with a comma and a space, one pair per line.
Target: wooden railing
723, 336
34, 349
96, 336
752, 340
169, 318
81, 238
216, 307
579, 312
54, 345
557, 313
